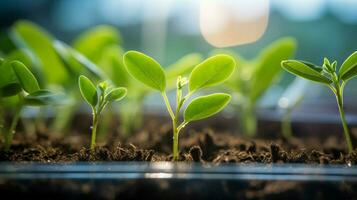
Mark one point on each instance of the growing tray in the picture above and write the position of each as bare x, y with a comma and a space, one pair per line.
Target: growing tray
167, 180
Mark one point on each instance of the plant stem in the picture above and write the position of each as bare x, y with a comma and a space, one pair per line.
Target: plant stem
343, 120
94, 130
248, 120
10, 134
286, 124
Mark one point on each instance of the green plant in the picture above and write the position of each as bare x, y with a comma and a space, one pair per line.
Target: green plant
210, 72
98, 97
103, 46
329, 76
17, 80
254, 77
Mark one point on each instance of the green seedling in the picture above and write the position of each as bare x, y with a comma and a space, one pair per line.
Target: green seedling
98, 97
210, 72
254, 77
103, 46
17, 80
331, 77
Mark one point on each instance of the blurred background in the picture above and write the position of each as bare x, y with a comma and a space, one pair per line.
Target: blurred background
169, 29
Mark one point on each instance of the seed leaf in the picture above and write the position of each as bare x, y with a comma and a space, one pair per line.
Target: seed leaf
348, 68
116, 94
92, 42
268, 67
26, 79
145, 69
9, 84
42, 97
305, 70
206, 106
211, 72
88, 90
34, 38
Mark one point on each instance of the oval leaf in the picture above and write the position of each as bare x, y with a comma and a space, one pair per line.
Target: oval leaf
212, 71
349, 67
145, 69
116, 94
268, 67
42, 97
27, 80
305, 70
88, 90
206, 106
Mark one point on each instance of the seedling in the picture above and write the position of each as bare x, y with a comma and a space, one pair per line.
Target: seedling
329, 76
254, 77
16, 79
98, 97
103, 46
210, 72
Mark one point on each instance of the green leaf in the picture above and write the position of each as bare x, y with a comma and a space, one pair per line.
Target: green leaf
27, 80
75, 61
116, 94
28, 35
305, 70
42, 97
9, 84
92, 42
88, 90
211, 72
111, 62
206, 106
145, 69
268, 67
348, 68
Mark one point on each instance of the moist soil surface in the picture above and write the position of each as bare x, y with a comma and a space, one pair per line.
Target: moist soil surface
196, 145
155, 144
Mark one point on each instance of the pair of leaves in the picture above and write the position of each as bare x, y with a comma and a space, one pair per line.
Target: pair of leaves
90, 93
312, 72
15, 76
26, 81
210, 72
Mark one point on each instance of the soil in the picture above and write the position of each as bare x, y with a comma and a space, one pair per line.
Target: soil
205, 145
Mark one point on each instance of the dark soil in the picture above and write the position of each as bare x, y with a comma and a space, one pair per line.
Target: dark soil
196, 145
206, 145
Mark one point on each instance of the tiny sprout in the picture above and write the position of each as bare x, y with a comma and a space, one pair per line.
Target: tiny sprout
17, 79
211, 72
329, 76
98, 97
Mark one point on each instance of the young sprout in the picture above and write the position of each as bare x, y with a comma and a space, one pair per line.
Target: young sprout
98, 97
254, 78
329, 76
16, 79
210, 72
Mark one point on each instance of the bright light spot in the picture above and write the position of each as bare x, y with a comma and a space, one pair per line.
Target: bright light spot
233, 22
283, 102
158, 175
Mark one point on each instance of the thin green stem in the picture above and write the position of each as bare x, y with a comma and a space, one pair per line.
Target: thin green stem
168, 106
10, 134
94, 130
343, 119
286, 124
